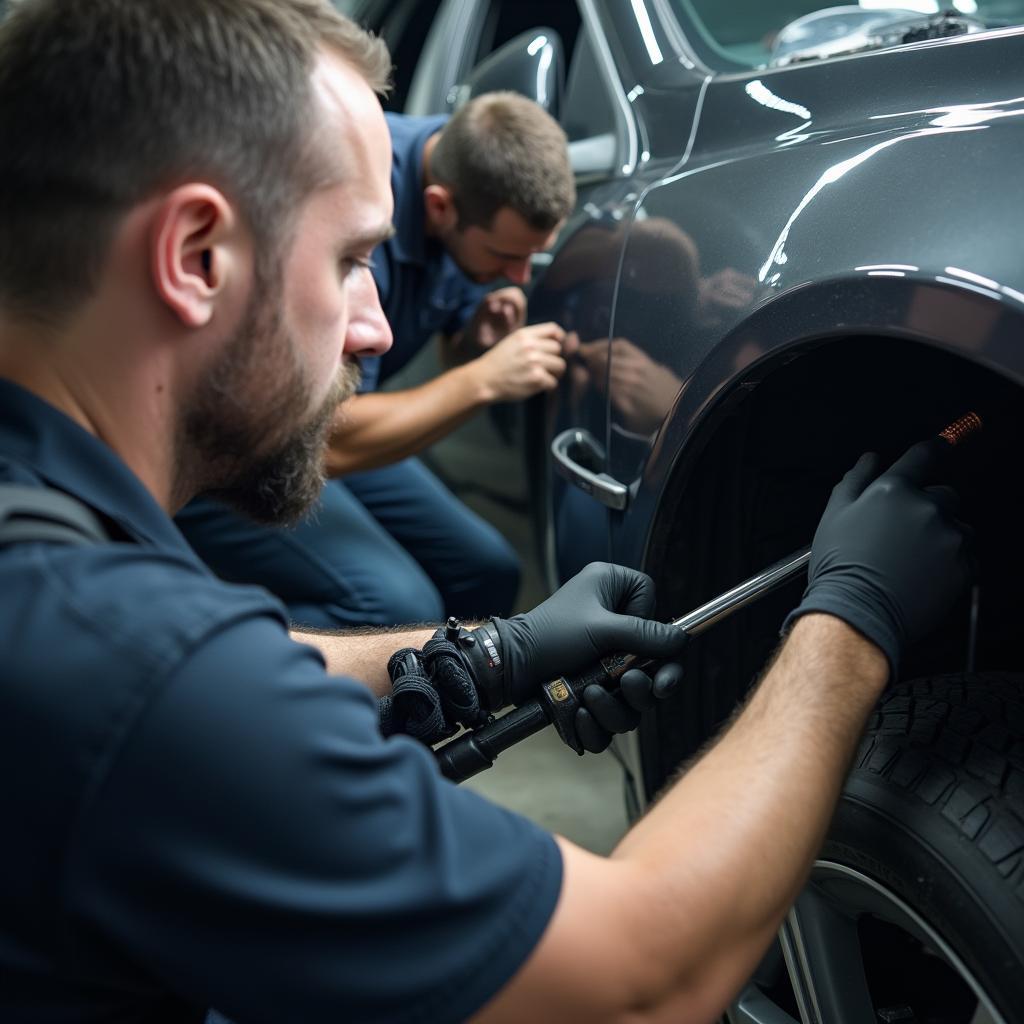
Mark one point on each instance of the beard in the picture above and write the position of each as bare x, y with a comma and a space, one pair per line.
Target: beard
260, 453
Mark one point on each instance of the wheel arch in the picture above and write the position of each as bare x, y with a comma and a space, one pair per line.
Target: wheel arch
985, 330
790, 398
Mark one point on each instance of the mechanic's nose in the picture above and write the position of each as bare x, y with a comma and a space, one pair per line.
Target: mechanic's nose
369, 333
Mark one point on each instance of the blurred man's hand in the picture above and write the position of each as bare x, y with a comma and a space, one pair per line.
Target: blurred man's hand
499, 314
525, 362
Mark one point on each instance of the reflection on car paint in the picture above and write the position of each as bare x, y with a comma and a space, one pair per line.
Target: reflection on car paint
777, 256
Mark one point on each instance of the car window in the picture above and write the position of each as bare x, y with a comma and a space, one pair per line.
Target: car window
756, 33
587, 110
403, 25
404, 30
513, 17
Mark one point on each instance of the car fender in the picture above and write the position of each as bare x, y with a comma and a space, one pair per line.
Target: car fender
980, 325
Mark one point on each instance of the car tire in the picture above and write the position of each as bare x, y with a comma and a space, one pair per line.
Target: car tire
914, 910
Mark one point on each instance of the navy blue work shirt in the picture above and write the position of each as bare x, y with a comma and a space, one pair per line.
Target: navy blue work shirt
422, 290
196, 814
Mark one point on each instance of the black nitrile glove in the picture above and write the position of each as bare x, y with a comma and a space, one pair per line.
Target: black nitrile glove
889, 556
605, 713
602, 610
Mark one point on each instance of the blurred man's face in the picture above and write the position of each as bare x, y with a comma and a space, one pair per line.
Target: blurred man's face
263, 413
502, 250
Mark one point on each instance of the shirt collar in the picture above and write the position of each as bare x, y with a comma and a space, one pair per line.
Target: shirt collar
410, 238
410, 243
69, 458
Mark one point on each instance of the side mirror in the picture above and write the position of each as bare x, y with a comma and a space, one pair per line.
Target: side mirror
531, 64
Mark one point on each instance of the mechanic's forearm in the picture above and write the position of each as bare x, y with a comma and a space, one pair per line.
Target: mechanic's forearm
380, 428
671, 925
363, 653
734, 838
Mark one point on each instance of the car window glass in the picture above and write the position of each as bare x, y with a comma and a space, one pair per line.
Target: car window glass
403, 25
587, 110
404, 30
751, 32
507, 20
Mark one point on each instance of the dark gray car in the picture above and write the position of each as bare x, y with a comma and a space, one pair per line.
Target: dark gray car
799, 237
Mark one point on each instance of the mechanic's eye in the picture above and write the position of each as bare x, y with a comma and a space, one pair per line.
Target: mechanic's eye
348, 265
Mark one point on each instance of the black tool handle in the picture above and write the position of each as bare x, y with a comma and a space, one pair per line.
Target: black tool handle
474, 752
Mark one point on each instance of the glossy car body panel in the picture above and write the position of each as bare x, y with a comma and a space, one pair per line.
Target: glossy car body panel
875, 194
750, 221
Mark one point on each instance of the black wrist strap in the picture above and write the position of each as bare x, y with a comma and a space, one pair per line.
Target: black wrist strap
414, 706
453, 679
433, 691
487, 665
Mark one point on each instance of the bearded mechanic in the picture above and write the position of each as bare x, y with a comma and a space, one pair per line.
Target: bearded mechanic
201, 810
476, 196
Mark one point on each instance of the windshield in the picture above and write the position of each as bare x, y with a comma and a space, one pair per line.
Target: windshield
748, 32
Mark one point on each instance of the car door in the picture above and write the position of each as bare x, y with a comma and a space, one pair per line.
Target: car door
626, 77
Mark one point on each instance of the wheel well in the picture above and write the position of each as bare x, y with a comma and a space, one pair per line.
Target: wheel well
752, 487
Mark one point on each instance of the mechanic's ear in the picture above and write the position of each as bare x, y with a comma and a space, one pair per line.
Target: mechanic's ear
194, 249
439, 205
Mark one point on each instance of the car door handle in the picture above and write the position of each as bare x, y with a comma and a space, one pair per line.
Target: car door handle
573, 445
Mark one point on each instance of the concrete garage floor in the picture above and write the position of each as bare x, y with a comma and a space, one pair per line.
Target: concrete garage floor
577, 797
580, 798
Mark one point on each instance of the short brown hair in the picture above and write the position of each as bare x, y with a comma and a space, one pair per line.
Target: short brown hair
102, 102
502, 149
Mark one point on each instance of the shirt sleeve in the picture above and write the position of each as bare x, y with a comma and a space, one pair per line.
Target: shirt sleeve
261, 849
457, 318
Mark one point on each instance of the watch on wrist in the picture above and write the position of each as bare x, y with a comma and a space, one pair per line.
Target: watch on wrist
481, 650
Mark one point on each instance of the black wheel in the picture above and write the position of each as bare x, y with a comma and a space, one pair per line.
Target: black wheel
914, 911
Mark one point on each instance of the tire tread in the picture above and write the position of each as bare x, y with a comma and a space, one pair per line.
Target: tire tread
956, 743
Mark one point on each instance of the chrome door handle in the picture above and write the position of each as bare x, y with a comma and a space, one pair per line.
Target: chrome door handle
573, 444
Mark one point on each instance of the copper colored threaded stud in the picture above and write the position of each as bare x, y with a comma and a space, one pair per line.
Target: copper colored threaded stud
961, 429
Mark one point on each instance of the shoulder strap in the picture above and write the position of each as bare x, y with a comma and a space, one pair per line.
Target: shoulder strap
43, 514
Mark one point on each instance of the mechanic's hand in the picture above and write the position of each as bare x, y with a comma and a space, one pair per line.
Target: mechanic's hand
606, 713
500, 312
528, 361
890, 556
602, 610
